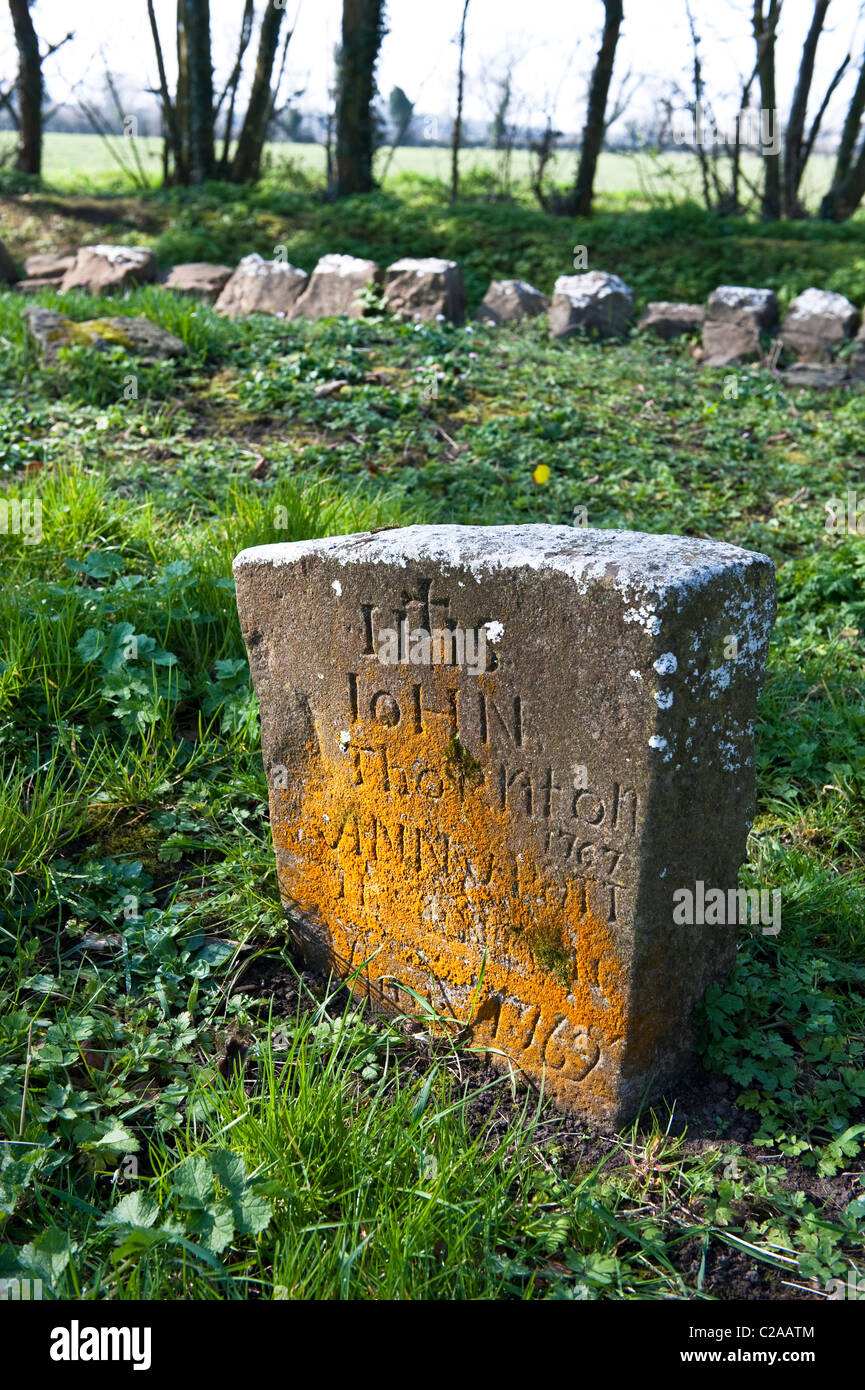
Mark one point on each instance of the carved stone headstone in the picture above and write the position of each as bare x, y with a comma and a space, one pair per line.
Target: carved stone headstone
493, 754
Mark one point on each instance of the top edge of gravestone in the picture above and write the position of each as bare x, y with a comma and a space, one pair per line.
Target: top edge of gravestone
656, 562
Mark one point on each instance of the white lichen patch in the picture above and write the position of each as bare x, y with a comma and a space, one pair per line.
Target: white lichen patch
658, 742
666, 664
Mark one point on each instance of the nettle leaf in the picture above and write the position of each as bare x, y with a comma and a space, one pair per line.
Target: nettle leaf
48, 1255
252, 1213
230, 1169
193, 1184
135, 1209
16, 1175
251, 1209
119, 1139
214, 1226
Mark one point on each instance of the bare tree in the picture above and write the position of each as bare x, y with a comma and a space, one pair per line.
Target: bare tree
543, 149
848, 179
362, 32
795, 141
579, 202
29, 89
250, 143
765, 28
189, 116
231, 85
699, 103
195, 90
456, 138
170, 121
26, 112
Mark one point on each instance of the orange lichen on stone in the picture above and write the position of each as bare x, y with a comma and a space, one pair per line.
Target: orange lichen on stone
417, 875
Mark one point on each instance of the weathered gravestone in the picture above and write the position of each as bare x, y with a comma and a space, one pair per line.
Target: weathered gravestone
502, 830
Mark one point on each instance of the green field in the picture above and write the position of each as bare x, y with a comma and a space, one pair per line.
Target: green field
73, 161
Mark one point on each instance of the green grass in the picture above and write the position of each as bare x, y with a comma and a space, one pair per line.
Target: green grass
76, 162
198, 1119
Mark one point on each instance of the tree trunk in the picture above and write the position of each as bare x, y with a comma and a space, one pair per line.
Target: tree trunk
195, 87
580, 201
170, 130
230, 89
362, 33
838, 203
456, 138
765, 28
794, 163
28, 159
250, 143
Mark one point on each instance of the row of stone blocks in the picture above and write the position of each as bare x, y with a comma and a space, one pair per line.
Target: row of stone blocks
427, 289
736, 322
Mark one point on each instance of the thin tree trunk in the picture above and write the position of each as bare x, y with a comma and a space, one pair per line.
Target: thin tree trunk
736, 157
28, 159
456, 138
765, 30
852, 190
818, 119
181, 99
702, 157
233, 82
835, 207
193, 28
170, 129
250, 142
794, 164
580, 202
362, 33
